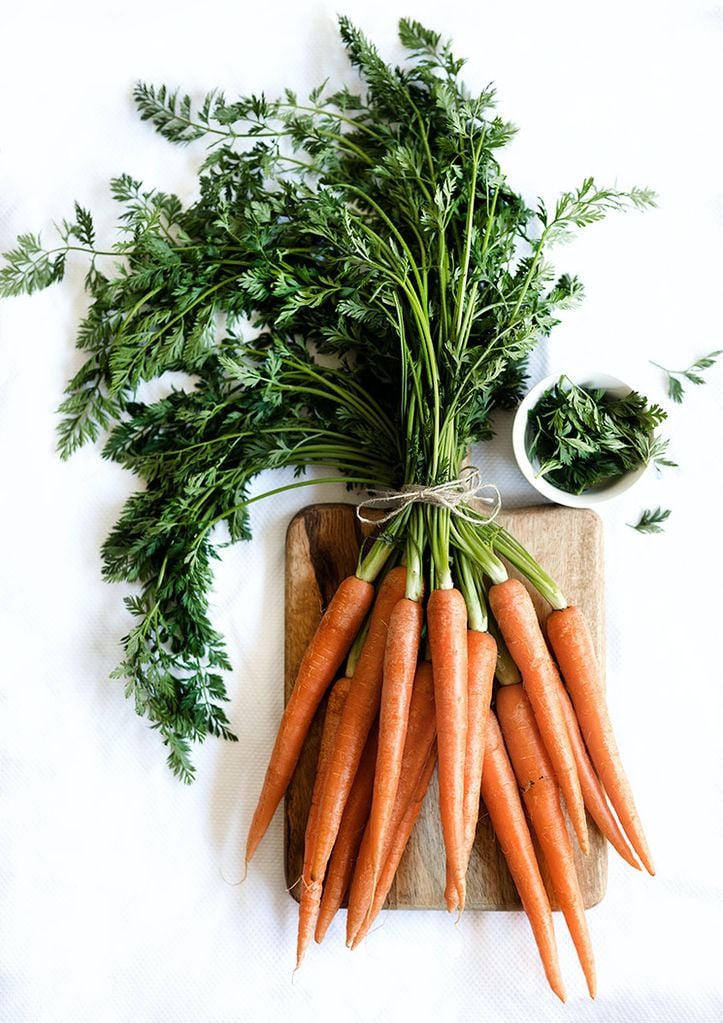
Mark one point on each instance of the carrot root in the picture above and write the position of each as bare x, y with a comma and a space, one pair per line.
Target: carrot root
447, 629
504, 806
310, 895
360, 711
516, 616
331, 642
541, 796
570, 638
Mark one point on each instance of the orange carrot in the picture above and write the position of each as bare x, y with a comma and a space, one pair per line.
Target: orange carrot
330, 644
351, 830
447, 629
420, 738
310, 895
592, 791
504, 806
400, 664
360, 711
570, 638
481, 661
397, 845
541, 796
515, 613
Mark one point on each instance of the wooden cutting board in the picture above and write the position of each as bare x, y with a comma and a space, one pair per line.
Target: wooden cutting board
321, 549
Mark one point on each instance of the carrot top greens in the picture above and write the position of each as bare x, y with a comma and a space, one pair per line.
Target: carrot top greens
358, 285
587, 437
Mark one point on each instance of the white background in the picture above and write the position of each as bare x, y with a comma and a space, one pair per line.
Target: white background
119, 893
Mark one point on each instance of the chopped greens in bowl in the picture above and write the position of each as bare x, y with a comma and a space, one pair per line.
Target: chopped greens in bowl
590, 437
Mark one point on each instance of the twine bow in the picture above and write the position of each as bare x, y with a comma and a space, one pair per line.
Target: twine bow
454, 495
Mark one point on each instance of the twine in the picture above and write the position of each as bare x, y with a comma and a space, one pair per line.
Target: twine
455, 496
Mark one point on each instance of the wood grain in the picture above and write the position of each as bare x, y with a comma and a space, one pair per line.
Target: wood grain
321, 549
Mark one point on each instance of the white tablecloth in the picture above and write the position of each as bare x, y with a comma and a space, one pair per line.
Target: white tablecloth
120, 899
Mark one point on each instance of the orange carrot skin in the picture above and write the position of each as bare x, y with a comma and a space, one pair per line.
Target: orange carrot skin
592, 792
331, 642
351, 830
360, 711
310, 895
502, 799
447, 630
517, 619
420, 739
481, 662
569, 636
541, 797
397, 846
400, 664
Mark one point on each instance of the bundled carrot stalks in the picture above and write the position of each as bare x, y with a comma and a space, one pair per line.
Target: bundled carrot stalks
404, 716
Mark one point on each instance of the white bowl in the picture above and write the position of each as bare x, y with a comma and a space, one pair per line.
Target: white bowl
529, 469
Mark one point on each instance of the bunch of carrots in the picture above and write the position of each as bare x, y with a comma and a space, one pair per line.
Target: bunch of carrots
461, 679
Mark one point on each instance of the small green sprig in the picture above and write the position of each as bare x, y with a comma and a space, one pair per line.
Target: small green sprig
651, 520
675, 377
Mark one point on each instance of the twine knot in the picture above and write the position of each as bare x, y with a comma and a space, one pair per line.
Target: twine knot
454, 495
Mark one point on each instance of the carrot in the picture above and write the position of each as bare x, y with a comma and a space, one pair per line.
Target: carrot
351, 830
323, 656
447, 630
360, 711
399, 840
592, 791
419, 740
481, 661
570, 638
504, 806
310, 896
400, 663
515, 613
541, 796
